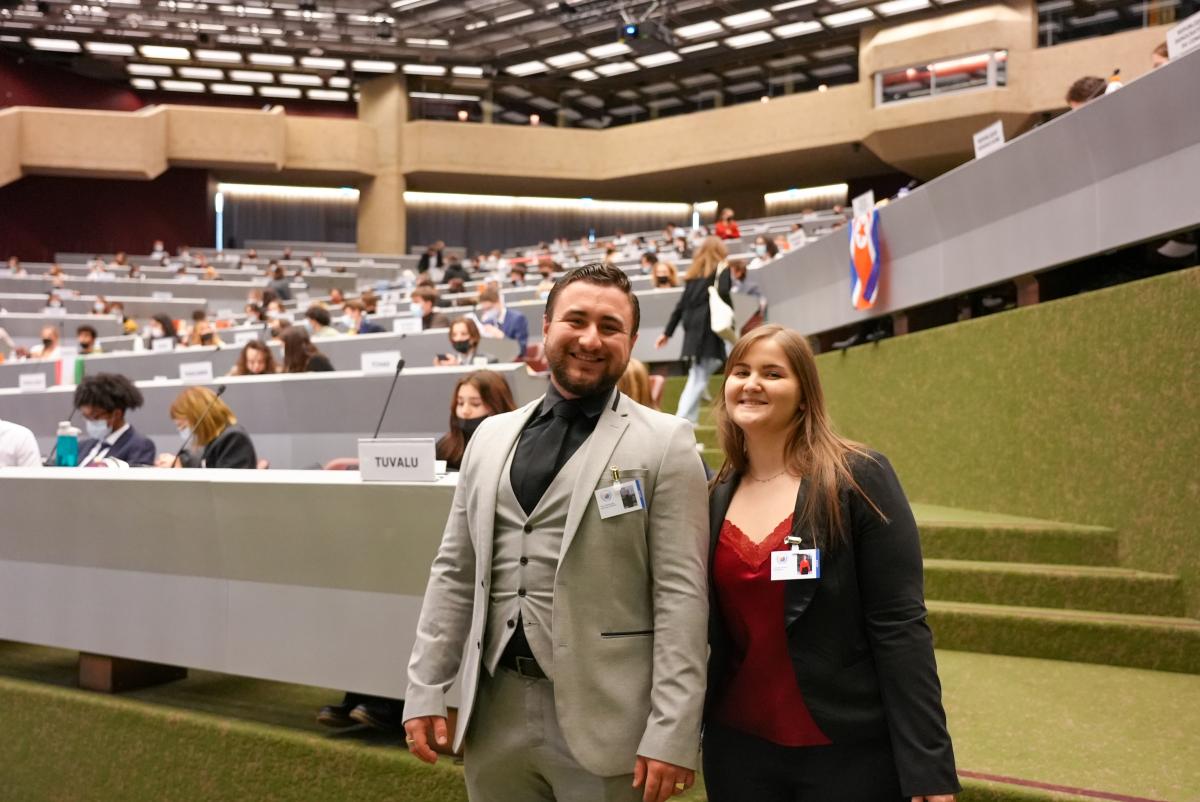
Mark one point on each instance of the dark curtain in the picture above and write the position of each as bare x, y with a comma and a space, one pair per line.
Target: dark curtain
483, 227
264, 217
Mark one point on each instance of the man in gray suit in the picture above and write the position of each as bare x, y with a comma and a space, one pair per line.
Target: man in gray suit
578, 621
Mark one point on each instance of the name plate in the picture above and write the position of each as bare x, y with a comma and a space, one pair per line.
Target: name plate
32, 382
387, 309
55, 311
1183, 38
161, 295
397, 459
162, 344
324, 271
989, 140
380, 361
407, 325
196, 372
243, 337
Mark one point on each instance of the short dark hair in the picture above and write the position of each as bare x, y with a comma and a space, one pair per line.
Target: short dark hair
600, 274
651, 257
85, 327
109, 392
318, 314
1086, 88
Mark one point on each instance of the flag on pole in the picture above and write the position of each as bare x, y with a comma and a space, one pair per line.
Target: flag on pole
864, 260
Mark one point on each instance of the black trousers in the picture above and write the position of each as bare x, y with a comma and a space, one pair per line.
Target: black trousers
742, 768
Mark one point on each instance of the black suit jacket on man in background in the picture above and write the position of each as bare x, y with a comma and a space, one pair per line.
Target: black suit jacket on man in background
860, 646
132, 446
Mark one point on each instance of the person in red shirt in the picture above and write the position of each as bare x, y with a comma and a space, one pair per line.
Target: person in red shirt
822, 682
727, 227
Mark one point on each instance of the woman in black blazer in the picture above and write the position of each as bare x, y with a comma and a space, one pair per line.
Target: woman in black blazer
822, 682
204, 420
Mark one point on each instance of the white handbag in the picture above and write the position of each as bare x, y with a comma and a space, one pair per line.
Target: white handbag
720, 314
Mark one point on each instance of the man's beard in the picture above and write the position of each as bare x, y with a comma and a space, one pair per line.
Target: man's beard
557, 357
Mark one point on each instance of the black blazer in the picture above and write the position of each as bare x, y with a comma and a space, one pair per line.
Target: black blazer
232, 448
699, 341
860, 646
132, 447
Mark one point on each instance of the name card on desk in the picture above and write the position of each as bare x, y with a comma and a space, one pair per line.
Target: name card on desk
162, 344
161, 295
196, 372
387, 309
990, 139
55, 311
397, 459
407, 325
380, 361
243, 337
32, 382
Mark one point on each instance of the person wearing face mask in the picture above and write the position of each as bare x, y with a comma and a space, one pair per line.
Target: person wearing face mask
665, 275
424, 302
161, 328
222, 442
727, 227
464, 339
53, 301
85, 335
477, 396
104, 400
356, 317
765, 251
500, 321
48, 347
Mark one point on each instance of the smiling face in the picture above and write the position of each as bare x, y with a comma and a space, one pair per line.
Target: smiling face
762, 392
589, 339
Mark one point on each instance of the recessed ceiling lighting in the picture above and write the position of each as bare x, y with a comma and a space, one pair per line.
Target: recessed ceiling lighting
272, 60
156, 70
109, 48
299, 79
315, 63
328, 94
366, 65
799, 28
563, 60
699, 30
278, 91
467, 72
894, 7
758, 16
749, 39
339, 82
851, 17
526, 68
792, 4
202, 73
143, 83
609, 50
181, 86
252, 76
427, 42
616, 68
525, 12
474, 26
659, 59
584, 75
220, 56
54, 45
697, 48
424, 69
232, 89
164, 52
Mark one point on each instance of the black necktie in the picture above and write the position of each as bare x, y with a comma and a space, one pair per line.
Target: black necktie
540, 454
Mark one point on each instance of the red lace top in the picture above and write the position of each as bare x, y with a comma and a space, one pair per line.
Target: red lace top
761, 697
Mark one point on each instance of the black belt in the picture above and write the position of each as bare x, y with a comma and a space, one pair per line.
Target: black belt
525, 666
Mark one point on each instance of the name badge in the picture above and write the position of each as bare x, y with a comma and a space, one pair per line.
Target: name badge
620, 498
795, 563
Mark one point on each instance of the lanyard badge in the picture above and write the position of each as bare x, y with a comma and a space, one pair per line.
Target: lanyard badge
795, 562
620, 497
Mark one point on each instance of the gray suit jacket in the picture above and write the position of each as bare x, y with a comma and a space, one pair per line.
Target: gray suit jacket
630, 594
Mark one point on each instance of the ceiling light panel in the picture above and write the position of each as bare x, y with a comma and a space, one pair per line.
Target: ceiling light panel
202, 73
832, 70
143, 83
698, 48
155, 70
840, 51
526, 68
699, 30
792, 4
181, 86
339, 82
516, 15
852, 17
109, 48
659, 59
272, 60
232, 89
219, 56
584, 75
54, 45
328, 94
166, 53
251, 76
427, 42
367, 65
616, 68
279, 91
467, 72
609, 50
315, 63
299, 79
749, 40
423, 69
799, 29
894, 7
563, 60
759, 16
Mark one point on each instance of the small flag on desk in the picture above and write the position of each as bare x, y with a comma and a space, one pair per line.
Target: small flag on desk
864, 260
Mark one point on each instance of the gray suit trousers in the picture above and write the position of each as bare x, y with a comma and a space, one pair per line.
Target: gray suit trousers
515, 750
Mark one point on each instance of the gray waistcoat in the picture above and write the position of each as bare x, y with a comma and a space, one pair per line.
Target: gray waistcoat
539, 549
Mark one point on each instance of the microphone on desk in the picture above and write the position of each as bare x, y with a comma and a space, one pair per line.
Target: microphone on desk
208, 409
49, 461
395, 376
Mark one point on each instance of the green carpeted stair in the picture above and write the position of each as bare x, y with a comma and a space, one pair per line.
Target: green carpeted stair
1012, 585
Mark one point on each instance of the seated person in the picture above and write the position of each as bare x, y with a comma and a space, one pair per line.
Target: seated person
18, 446
517, 275
336, 298
477, 396
356, 313
161, 328
256, 359
204, 333
424, 303
224, 443
664, 275
104, 400
320, 321
765, 251
48, 347
85, 336
14, 264
464, 339
299, 354
454, 269
500, 321
53, 300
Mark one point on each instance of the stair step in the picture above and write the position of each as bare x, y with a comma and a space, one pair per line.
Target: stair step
707, 437
1075, 587
1139, 641
1042, 543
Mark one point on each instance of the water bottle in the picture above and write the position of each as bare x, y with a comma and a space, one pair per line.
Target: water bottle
67, 453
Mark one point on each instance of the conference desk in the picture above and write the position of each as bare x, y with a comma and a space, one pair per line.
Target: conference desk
325, 280
312, 577
29, 325
135, 307
296, 420
216, 294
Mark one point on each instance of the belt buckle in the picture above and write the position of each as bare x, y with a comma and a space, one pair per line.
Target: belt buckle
534, 671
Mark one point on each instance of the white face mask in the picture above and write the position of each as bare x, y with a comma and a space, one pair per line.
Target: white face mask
98, 308
417, 309
761, 250
185, 433
97, 429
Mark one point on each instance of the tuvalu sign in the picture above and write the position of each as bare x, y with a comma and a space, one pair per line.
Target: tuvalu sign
397, 459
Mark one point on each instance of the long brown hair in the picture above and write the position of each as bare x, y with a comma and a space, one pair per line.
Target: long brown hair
493, 391
812, 449
242, 369
710, 254
298, 349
